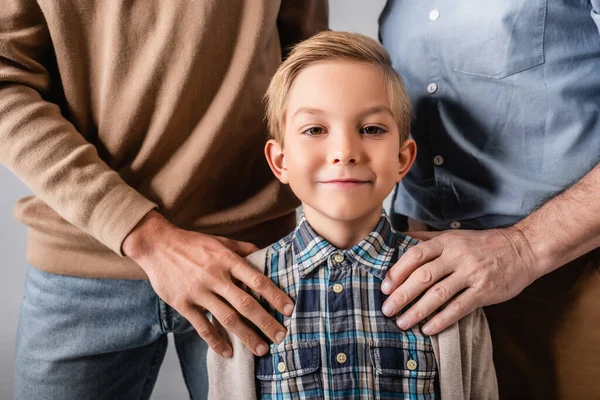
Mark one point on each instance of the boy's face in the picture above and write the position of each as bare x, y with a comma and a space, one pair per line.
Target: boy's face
342, 154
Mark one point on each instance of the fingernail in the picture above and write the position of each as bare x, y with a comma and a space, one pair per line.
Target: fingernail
427, 329
226, 353
402, 323
387, 309
261, 349
288, 309
279, 336
386, 286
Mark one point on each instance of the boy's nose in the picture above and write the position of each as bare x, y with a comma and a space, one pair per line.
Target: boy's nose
343, 159
344, 154
344, 150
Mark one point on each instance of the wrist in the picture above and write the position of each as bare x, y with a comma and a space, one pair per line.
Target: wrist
145, 237
538, 246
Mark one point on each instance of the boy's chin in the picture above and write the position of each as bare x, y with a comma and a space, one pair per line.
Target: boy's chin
349, 212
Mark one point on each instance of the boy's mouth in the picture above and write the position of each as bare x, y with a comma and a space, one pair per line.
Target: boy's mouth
345, 182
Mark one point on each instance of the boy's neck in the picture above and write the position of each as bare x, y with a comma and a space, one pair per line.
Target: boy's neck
343, 234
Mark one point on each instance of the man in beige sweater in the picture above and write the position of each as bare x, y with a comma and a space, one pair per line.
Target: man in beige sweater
139, 128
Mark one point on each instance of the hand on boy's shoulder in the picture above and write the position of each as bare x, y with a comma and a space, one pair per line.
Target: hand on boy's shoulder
460, 270
194, 272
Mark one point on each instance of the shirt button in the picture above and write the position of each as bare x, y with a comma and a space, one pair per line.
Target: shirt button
438, 160
431, 88
341, 358
411, 365
434, 14
281, 367
454, 224
338, 258
338, 288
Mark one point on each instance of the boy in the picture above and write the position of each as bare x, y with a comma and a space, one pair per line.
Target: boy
339, 117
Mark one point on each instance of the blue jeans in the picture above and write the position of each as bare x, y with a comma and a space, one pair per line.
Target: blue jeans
84, 338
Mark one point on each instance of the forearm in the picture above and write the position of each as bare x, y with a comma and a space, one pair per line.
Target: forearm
567, 226
44, 149
64, 170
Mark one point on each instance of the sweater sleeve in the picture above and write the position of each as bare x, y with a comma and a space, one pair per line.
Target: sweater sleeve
482, 375
299, 20
45, 150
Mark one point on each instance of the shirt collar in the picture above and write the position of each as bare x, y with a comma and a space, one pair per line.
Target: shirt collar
373, 254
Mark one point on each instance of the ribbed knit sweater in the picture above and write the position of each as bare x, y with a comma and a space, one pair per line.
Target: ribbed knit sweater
109, 109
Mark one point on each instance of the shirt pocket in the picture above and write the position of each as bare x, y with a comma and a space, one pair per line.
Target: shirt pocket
399, 369
496, 39
294, 371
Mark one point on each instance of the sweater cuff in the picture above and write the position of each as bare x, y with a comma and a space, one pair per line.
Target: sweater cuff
117, 214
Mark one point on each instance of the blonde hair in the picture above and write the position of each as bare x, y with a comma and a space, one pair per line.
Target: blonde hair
328, 45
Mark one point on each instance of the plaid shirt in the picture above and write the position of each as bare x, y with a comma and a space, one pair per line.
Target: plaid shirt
339, 343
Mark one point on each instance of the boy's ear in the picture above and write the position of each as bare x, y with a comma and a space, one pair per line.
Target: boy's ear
276, 159
406, 157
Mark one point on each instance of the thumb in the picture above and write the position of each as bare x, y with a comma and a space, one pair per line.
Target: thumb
423, 235
242, 249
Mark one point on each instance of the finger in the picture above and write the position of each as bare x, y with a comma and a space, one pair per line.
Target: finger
207, 331
423, 235
438, 295
233, 322
421, 279
240, 248
462, 305
414, 257
254, 312
262, 285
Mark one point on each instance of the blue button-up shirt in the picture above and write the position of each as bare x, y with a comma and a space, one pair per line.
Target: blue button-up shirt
507, 104
339, 344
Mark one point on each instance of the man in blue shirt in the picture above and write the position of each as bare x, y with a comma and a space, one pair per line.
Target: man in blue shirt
507, 122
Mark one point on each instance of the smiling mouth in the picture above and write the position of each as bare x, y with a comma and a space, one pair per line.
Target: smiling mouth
345, 183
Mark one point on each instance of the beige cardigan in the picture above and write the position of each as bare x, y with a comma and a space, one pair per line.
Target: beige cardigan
463, 353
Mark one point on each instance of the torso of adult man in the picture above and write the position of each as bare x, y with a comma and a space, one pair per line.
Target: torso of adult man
112, 108
507, 104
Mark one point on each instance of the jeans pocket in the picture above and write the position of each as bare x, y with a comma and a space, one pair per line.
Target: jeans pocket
398, 368
292, 372
499, 38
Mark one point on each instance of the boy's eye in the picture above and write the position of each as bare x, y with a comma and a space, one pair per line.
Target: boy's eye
313, 131
372, 130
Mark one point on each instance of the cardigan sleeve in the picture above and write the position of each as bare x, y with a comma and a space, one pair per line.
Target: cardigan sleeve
233, 378
483, 383
464, 357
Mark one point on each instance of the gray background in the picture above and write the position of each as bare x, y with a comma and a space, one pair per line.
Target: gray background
347, 15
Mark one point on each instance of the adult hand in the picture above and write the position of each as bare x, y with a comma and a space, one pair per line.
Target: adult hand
461, 270
194, 272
